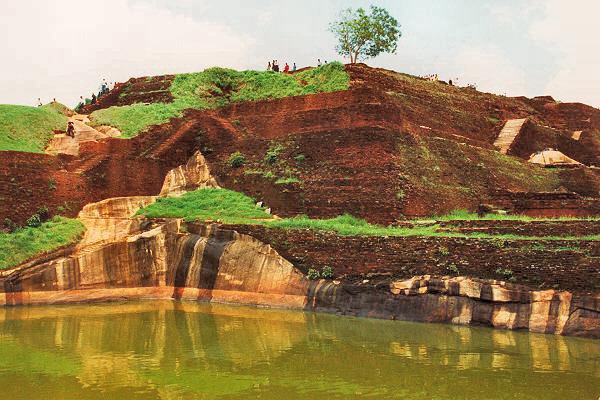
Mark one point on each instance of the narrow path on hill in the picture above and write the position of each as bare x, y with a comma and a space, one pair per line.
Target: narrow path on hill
63, 144
509, 133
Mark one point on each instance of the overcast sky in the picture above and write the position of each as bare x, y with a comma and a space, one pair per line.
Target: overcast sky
63, 48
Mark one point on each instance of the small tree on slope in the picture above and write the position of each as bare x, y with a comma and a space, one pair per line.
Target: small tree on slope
362, 36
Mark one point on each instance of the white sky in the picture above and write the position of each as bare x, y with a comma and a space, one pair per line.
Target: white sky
63, 48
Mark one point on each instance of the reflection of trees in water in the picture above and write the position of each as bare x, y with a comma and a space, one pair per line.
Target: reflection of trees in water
189, 347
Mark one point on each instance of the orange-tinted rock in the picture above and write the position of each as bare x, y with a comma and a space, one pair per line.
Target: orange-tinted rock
221, 265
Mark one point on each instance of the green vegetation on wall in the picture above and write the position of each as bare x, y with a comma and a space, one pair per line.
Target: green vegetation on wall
465, 215
217, 87
207, 204
25, 243
231, 207
457, 173
29, 129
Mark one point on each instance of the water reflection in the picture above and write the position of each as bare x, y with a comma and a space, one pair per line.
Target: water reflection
166, 350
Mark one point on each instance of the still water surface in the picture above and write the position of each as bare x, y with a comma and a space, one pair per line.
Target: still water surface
166, 350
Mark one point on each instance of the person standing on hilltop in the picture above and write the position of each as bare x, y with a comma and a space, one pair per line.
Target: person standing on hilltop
286, 69
269, 66
39, 102
93, 99
318, 62
294, 68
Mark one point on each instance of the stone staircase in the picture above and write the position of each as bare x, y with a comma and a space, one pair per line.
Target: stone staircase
63, 144
507, 136
90, 163
159, 151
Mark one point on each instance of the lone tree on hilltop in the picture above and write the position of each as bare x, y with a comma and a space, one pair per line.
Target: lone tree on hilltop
361, 35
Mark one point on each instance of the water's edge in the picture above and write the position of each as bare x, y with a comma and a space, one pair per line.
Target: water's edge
222, 266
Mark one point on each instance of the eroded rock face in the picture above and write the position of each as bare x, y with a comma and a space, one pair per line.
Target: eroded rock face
112, 219
219, 265
223, 266
465, 301
194, 174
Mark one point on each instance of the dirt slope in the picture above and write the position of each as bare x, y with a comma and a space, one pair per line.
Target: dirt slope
391, 146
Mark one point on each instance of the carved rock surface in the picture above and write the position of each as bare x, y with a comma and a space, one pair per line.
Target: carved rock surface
223, 266
112, 219
194, 174
220, 265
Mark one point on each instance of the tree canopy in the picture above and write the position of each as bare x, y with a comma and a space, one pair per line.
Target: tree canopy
361, 35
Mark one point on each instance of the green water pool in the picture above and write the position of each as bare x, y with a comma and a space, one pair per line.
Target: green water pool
169, 350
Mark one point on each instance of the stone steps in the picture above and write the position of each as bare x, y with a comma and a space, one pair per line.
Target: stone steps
90, 163
164, 146
509, 133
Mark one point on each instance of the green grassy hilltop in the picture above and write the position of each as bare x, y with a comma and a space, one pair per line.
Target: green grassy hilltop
217, 87
24, 128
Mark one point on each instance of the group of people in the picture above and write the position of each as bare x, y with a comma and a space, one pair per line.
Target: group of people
434, 78
274, 66
39, 101
105, 87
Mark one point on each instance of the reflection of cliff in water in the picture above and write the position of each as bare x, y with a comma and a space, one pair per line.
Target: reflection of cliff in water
159, 350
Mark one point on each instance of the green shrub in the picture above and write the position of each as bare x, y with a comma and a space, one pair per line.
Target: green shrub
44, 213
52, 184
300, 157
313, 274
453, 269
34, 221
443, 250
237, 160
272, 155
9, 225
327, 272
505, 272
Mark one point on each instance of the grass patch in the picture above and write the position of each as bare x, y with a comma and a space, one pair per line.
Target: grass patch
348, 225
287, 181
58, 108
231, 207
28, 129
465, 215
222, 205
25, 243
217, 87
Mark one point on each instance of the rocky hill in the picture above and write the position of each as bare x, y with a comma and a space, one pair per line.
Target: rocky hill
250, 186
385, 147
